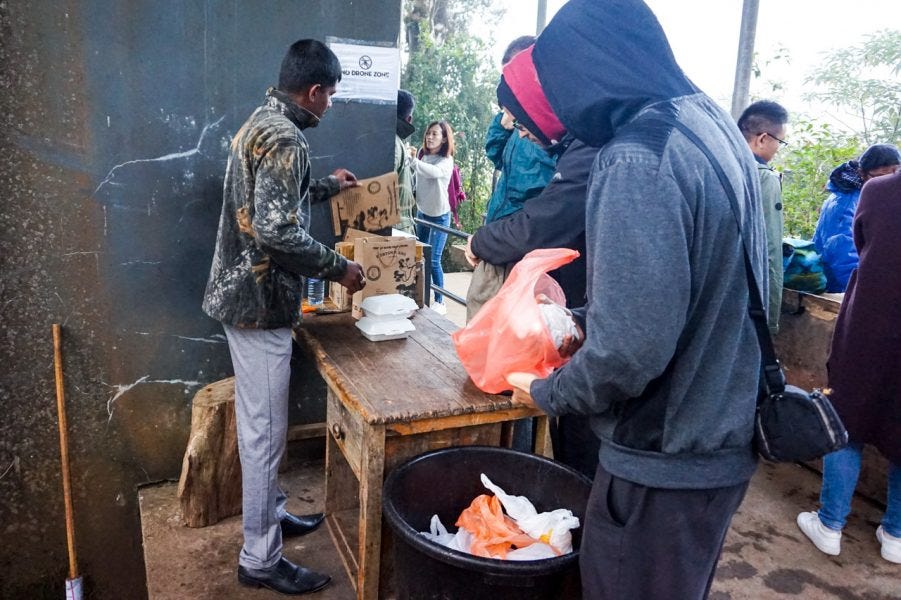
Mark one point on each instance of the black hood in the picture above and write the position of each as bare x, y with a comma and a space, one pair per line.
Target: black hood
600, 62
846, 177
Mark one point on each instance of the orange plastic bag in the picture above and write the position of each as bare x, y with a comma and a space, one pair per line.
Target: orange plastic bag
493, 533
508, 334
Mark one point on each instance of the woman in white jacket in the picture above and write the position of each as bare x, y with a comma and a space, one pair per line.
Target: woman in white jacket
433, 168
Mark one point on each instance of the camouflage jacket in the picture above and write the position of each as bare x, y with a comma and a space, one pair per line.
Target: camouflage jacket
263, 250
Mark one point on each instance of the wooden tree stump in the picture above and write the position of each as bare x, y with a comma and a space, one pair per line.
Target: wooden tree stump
210, 484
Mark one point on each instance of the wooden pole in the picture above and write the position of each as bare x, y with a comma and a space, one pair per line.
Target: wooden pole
64, 447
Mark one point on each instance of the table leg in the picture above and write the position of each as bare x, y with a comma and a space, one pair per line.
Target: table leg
543, 444
371, 478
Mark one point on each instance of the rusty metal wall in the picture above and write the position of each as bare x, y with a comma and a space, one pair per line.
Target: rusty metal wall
115, 119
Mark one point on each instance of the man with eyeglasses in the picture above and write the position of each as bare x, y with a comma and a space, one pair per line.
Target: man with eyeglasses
763, 125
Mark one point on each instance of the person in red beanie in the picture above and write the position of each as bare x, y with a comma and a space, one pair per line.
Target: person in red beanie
525, 169
553, 219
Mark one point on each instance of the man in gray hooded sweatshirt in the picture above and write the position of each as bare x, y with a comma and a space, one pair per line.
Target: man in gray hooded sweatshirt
668, 372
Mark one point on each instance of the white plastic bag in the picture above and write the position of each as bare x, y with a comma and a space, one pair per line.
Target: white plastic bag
559, 322
552, 527
462, 540
536, 551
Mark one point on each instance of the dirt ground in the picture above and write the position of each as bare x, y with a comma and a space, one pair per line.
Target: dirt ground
765, 555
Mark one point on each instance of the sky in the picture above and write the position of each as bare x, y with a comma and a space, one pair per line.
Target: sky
704, 37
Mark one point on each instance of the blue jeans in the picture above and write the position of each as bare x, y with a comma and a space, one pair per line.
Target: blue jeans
840, 472
436, 239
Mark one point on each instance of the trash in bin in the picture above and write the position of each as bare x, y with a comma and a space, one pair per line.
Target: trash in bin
443, 483
521, 534
552, 527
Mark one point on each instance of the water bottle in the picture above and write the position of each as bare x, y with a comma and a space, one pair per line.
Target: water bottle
315, 291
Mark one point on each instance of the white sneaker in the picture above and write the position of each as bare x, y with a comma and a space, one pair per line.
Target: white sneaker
891, 545
828, 541
439, 308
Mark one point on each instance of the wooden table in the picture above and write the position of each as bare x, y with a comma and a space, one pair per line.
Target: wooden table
387, 402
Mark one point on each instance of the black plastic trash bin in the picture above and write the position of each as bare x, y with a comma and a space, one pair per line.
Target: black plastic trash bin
445, 482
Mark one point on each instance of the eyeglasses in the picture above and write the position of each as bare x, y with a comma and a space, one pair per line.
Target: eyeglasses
518, 126
781, 142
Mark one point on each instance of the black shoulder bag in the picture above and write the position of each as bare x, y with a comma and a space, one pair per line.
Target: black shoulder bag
791, 424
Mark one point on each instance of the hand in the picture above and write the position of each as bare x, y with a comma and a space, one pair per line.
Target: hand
471, 258
353, 278
570, 343
507, 121
345, 178
521, 381
411, 150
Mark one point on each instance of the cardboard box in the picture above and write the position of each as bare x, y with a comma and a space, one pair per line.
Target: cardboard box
371, 206
386, 265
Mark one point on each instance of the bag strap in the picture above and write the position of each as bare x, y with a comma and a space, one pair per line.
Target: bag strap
773, 376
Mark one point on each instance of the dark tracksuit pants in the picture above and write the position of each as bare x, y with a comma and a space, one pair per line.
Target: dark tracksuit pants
643, 543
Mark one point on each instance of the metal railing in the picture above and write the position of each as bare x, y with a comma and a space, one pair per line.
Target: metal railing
449, 231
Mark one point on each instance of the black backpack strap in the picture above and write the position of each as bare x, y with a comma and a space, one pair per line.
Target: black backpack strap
772, 372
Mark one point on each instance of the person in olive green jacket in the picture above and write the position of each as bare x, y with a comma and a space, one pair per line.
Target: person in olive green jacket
402, 161
763, 125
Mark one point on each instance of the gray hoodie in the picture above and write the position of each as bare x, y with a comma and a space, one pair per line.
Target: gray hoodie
668, 373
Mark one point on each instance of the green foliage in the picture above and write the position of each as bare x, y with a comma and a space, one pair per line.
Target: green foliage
815, 150
873, 101
455, 82
444, 18
863, 82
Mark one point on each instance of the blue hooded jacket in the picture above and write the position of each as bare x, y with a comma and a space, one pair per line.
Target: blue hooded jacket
833, 238
526, 168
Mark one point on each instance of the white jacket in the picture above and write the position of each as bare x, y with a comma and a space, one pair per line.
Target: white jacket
433, 173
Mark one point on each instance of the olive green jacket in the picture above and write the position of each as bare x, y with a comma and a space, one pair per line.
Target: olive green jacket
405, 199
771, 195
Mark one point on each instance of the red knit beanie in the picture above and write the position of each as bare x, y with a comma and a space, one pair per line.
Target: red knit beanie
522, 79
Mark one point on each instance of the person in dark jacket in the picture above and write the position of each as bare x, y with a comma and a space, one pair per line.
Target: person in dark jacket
553, 219
668, 371
863, 372
263, 252
832, 237
402, 161
525, 169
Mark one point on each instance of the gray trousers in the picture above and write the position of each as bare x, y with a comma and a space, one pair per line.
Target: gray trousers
646, 543
262, 363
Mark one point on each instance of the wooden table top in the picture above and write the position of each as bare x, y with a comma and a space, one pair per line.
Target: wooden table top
396, 381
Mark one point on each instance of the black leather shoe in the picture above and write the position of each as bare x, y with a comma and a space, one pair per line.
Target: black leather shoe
284, 577
300, 525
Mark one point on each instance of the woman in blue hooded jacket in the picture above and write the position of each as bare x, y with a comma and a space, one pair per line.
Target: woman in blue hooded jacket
832, 238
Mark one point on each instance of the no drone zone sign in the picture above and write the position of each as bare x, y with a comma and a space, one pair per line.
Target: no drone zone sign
370, 72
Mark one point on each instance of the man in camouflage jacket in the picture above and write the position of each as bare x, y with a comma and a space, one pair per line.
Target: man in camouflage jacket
263, 252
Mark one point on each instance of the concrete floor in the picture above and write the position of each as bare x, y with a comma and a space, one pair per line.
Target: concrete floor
765, 555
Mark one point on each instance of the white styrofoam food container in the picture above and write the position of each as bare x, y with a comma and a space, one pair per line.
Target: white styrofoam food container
388, 307
379, 330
